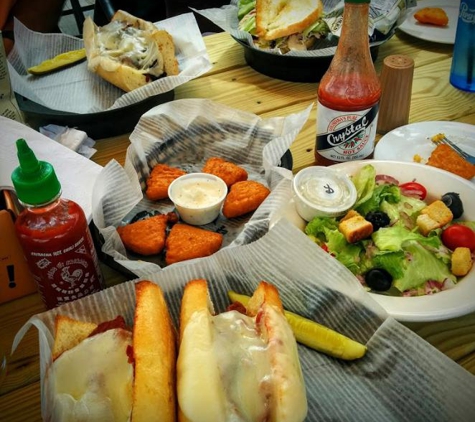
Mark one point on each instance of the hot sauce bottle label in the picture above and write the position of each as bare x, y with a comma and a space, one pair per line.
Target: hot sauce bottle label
346, 135
68, 273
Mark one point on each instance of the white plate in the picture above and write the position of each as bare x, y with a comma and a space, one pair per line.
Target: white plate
427, 32
405, 142
449, 303
443, 305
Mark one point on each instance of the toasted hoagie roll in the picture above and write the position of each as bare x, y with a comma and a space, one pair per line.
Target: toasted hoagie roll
108, 372
235, 366
129, 52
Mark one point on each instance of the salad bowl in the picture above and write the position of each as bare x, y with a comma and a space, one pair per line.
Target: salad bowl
454, 301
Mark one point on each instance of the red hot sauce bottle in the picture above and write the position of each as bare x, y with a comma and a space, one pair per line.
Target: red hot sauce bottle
53, 233
348, 94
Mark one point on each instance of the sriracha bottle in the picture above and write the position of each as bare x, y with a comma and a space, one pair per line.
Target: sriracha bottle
348, 94
53, 234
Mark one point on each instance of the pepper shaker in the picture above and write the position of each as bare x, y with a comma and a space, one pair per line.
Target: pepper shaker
396, 86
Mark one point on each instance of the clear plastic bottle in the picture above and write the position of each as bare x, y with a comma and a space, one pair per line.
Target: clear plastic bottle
53, 233
348, 94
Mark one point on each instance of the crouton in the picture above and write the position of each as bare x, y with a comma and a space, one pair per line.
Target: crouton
434, 216
349, 214
355, 227
439, 212
461, 261
426, 224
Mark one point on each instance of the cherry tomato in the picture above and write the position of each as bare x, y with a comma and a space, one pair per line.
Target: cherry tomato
414, 189
458, 235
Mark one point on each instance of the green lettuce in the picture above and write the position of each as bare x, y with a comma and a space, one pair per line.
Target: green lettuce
421, 266
244, 7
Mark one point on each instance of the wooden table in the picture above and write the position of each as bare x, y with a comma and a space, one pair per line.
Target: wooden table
233, 83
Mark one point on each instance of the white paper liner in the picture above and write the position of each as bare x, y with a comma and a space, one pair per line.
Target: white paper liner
185, 133
385, 16
77, 90
401, 377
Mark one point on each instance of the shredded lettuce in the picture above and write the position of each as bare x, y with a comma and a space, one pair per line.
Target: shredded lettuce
244, 7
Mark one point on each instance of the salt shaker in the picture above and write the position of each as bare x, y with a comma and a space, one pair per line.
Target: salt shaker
462, 72
396, 87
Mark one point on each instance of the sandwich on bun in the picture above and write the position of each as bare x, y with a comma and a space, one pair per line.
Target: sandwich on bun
107, 372
283, 24
239, 365
129, 52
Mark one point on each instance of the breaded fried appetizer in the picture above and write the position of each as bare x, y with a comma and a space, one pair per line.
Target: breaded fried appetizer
432, 15
145, 237
444, 157
244, 197
188, 242
229, 172
160, 178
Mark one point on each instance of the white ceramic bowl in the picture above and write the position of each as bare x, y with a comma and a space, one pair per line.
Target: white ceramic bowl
198, 197
450, 303
322, 192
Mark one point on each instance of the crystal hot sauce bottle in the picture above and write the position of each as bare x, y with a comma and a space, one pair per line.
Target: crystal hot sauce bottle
348, 94
53, 234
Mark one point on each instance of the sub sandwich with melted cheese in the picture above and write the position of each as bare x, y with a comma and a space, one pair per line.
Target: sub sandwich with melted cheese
129, 52
107, 372
239, 365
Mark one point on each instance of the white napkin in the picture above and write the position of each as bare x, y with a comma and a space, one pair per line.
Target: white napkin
76, 173
74, 139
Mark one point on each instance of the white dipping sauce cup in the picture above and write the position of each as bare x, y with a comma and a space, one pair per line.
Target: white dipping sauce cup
322, 192
198, 197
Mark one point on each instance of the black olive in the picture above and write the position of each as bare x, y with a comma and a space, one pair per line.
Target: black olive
378, 279
453, 201
378, 219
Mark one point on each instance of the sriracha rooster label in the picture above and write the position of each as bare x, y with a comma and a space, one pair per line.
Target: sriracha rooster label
345, 136
66, 273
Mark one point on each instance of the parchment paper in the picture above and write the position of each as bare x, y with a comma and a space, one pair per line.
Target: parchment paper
184, 134
384, 17
78, 90
401, 377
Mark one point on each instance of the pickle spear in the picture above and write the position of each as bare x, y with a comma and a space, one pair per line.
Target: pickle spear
58, 62
316, 336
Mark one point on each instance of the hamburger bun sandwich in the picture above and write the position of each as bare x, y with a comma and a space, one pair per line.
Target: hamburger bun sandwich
283, 24
240, 365
108, 372
129, 52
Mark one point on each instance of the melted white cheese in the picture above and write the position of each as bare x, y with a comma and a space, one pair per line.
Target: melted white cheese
131, 46
93, 381
225, 374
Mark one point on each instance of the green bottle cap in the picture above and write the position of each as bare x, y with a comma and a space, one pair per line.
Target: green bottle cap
35, 182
